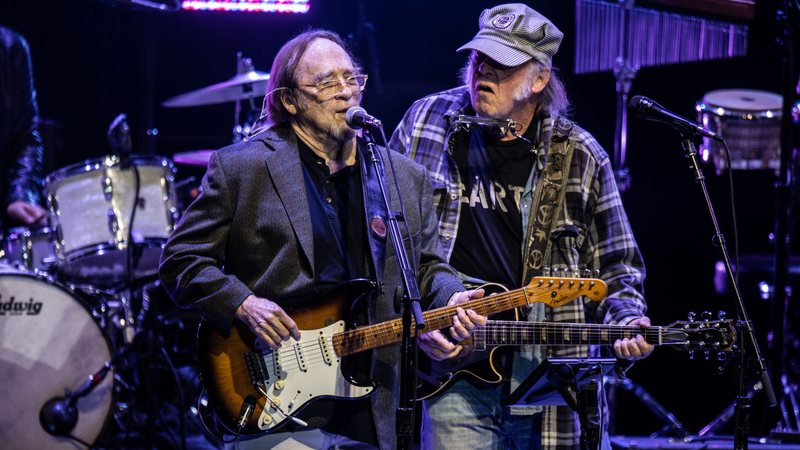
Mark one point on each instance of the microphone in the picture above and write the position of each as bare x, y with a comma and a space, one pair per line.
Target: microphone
357, 118
59, 415
648, 109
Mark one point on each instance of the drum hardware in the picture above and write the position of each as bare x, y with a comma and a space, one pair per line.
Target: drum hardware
30, 249
672, 426
92, 233
246, 85
51, 342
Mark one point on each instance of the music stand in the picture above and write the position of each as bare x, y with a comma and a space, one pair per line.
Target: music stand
573, 382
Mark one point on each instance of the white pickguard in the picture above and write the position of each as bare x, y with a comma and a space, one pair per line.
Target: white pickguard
301, 371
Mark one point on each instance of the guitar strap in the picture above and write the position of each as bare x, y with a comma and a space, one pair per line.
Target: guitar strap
548, 201
548, 198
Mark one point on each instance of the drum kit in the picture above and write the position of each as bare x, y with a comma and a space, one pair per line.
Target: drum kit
77, 321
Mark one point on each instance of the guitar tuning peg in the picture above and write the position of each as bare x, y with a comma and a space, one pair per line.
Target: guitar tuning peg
567, 272
707, 354
597, 273
721, 315
691, 354
586, 273
546, 271
691, 316
706, 316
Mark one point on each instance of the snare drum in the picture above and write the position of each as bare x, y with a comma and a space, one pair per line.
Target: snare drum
49, 345
750, 122
92, 203
31, 249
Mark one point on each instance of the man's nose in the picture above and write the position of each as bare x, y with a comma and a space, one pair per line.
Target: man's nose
345, 91
483, 67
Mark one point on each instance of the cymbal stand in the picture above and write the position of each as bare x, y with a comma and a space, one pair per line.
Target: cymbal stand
241, 129
140, 409
624, 73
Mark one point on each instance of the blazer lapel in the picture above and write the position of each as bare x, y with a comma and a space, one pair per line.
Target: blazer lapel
286, 172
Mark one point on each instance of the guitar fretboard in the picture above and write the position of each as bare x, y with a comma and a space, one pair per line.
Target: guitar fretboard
552, 291
507, 332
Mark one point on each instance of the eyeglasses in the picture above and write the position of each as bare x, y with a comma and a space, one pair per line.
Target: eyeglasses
332, 85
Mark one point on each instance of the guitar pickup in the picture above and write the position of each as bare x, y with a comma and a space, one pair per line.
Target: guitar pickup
325, 349
301, 361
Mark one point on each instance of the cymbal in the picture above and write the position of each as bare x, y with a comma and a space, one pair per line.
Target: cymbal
241, 87
193, 158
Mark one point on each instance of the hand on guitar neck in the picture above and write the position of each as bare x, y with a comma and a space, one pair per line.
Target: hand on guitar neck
636, 347
437, 346
267, 320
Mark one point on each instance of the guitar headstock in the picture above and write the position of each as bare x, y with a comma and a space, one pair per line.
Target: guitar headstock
710, 336
556, 291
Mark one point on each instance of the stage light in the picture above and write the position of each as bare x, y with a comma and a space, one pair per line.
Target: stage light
279, 6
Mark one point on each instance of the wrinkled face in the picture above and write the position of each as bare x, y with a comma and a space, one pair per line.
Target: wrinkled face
320, 112
502, 92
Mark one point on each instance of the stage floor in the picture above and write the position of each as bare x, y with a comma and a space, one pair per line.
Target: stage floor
694, 442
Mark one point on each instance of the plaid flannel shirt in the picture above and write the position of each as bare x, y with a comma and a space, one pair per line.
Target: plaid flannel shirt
591, 232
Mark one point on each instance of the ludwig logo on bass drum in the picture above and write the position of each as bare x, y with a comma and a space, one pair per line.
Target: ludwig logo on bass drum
15, 308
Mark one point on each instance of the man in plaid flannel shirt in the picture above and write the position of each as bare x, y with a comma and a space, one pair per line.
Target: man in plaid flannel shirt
483, 186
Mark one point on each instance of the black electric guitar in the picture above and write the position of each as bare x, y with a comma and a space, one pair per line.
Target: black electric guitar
481, 365
255, 390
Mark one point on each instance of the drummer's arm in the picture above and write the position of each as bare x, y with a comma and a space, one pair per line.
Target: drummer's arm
24, 174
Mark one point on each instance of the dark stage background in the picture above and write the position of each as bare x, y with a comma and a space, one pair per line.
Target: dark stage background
93, 60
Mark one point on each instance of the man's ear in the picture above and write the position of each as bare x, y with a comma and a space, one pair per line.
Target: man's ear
541, 80
288, 102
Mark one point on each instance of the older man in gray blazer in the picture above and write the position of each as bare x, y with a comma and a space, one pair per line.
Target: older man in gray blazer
295, 209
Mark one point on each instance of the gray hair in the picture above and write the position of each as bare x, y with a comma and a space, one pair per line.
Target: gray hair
282, 75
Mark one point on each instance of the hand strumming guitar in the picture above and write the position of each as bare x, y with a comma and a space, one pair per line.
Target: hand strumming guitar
436, 345
267, 320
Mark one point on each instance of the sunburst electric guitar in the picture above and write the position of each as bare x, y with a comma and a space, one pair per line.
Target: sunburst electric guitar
717, 336
254, 390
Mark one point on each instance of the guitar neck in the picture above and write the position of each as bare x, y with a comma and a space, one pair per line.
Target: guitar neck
507, 332
552, 291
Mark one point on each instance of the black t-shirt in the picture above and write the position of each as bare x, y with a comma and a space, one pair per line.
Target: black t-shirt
493, 174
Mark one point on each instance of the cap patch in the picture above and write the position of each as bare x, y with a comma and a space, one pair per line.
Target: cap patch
503, 21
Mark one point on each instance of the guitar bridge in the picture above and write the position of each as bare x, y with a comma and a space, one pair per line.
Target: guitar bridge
256, 368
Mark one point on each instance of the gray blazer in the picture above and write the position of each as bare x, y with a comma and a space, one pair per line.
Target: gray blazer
249, 232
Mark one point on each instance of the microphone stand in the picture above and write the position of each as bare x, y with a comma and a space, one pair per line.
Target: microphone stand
404, 421
742, 408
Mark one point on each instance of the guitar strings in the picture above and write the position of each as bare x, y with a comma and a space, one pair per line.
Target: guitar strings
386, 333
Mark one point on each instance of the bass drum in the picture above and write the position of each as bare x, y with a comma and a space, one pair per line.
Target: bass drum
49, 345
